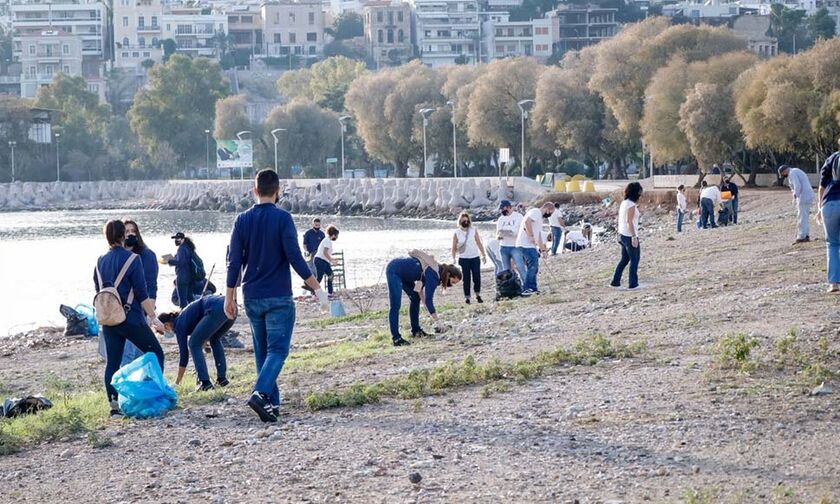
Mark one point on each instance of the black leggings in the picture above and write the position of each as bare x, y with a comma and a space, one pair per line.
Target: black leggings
115, 338
471, 269
323, 268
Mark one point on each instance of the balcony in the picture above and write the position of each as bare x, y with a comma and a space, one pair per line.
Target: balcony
148, 29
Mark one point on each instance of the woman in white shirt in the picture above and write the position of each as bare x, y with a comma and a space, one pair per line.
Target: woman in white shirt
467, 246
628, 235
557, 225
681, 206
324, 259
576, 240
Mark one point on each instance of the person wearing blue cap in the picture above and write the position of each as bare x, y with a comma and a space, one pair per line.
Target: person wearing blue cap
507, 228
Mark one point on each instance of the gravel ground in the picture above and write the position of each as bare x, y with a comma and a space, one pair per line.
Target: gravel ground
655, 427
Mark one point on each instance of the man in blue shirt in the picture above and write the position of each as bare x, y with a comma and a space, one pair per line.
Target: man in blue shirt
311, 239
263, 245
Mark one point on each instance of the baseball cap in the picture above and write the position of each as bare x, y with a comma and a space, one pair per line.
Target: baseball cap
783, 168
504, 203
178, 236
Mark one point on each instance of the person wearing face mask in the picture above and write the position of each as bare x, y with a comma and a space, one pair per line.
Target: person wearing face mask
419, 276
467, 246
183, 268
507, 227
312, 238
532, 245
324, 259
134, 243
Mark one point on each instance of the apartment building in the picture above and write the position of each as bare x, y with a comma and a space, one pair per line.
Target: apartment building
543, 38
245, 27
754, 30
506, 38
293, 27
576, 27
388, 32
86, 22
448, 31
194, 32
137, 33
336, 8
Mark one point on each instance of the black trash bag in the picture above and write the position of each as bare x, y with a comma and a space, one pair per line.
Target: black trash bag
508, 285
77, 324
30, 404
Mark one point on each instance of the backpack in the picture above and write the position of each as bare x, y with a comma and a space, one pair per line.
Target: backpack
110, 310
198, 272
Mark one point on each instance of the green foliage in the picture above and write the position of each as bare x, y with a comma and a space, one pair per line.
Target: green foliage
733, 351
347, 25
436, 380
821, 25
320, 359
177, 106
311, 134
699, 496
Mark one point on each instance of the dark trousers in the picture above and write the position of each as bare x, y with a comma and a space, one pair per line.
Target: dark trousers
324, 268
212, 327
395, 289
629, 255
707, 213
185, 293
115, 338
471, 268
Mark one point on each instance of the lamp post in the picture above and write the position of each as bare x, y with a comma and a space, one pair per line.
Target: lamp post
242, 169
523, 109
343, 129
274, 135
207, 151
454, 141
12, 145
425, 113
57, 159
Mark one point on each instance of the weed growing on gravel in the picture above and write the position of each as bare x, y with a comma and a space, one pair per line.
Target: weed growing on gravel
320, 359
78, 414
733, 351
98, 441
356, 317
431, 381
702, 496
494, 388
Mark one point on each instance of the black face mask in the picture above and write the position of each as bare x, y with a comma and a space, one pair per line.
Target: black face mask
131, 241
546, 215
178, 242
506, 211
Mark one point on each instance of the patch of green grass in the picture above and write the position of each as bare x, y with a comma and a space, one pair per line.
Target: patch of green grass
435, 380
699, 496
320, 359
99, 441
784, 494
494, 388
733, 352
76, 414
356, 317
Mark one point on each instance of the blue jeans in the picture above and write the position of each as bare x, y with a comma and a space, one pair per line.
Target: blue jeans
631, 255
531, 257
680, 217
556, 238
508, 254
211, 327
707, 213
396, 287
831, 223
519, 262
735, 210
272, 321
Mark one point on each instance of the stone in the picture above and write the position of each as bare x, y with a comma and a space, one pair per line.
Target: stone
415, 478
823, 389
194, 442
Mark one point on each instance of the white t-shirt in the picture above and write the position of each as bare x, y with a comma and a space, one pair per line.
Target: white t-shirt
623, 228
576, 236
554, 219
467, 237
712, 192
508, 227
326, 244
534, 219
681, 203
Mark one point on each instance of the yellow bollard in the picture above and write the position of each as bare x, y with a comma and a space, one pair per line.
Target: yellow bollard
573, 186
589, 186
579, 177
560, 186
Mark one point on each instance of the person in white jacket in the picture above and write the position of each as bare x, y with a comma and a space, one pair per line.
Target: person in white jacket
803, 198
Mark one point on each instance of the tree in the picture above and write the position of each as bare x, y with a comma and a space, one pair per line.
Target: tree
821, 25
347, 25
231, 117
178, 105
342, 48
330, 79
295, 84
711, 129
169, 48
16, 117
311, 135
786, 25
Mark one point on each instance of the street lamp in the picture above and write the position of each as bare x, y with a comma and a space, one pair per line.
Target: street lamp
343, 129
57, 159
207, 151
425, 113
523, 109
12, 145
242, 169
454, 142
274, 135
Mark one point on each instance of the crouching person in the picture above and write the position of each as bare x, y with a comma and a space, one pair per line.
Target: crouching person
418, 275
201, 321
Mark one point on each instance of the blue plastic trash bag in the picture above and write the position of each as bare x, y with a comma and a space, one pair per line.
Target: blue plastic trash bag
143, 390
337, 308
90, 313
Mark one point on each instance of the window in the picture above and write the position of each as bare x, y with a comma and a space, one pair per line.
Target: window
154, 22
32, 49
125, 21
390, 36
154, 41
390, 17
312, 18
293, 38
380, 37
141, 41
65, 49
48, 70
184, 29
399, 17
32, 72
66, 69
292, 17
147, 54
125, 54
277, 39
93, 88
312, 50
125, 42
135, 54
298, 50
141, 22
379, 17
312, 37
247, 19
400, 36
